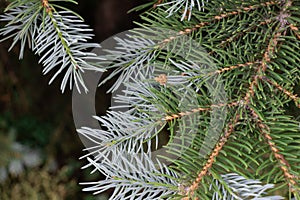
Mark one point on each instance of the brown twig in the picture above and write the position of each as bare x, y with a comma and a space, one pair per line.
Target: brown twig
191, 190
236, 66
292, 96
242, 32
284, 165
182, 114
218, 18
251, 90
273, 42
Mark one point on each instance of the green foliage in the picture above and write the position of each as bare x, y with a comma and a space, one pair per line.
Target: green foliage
220, 77
255, 47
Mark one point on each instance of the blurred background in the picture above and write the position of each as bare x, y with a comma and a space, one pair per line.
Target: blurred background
39, 147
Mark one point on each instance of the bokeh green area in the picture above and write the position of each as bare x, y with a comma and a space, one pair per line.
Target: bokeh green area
39, 147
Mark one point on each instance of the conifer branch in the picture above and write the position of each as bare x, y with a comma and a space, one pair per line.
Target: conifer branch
133, 176
267, 56
165, 87
234, 186
201, 109
187, 31
184, 6
278, 32
191, 189
270, 49
232, 67
49, 9
273, 42
247, 64
251, 90
288, 93
59, 37
284, 164
240, 33
246, 9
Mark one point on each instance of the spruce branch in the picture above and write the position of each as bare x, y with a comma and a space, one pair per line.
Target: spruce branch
205, 170
273, 42
245, 79
284, 164
196, 110
59, 37
124, 131
288, 93
22, 23
134, 177
234, 186
131, 56
218, 18
187, 5
170, 83
229, 68
240, 33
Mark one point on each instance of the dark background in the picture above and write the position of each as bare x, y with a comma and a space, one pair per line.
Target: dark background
37, 115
